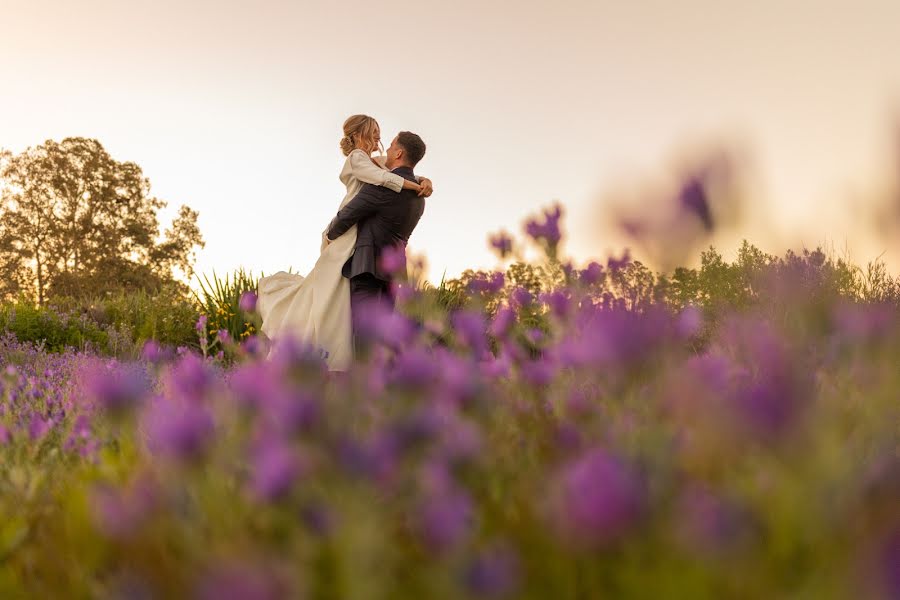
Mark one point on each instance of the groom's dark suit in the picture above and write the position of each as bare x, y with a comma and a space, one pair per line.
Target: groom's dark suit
383, 218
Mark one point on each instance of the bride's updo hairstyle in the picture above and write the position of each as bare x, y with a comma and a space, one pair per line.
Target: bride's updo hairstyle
359, 132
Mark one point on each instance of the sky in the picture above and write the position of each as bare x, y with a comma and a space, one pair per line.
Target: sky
235, 109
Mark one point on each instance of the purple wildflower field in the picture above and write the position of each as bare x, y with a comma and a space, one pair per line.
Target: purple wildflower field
585, 433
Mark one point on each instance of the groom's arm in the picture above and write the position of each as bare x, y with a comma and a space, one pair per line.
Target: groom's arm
366, 203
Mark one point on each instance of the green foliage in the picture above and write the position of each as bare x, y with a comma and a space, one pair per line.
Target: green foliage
76, 222
54, 330
219, 300
167, 316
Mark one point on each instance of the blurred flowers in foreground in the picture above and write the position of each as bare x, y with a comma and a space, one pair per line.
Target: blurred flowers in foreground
551, 430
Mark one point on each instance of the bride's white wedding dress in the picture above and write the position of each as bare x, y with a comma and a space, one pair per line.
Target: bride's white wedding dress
316, 308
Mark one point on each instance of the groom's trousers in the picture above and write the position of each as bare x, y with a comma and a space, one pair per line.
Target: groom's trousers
366, 290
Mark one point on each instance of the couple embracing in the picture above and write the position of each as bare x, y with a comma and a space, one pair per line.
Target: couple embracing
383, 204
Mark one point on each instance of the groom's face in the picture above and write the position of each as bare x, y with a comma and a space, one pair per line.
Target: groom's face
394, 152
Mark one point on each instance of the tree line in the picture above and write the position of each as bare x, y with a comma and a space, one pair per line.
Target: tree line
75, 222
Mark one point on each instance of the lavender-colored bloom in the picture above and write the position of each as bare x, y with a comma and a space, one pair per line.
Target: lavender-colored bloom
598, 499
558, 302
521, 297
461, 440
393, 259
694, 199
151, 351
495, 368
538, 372
617, 264
200, 326
503, 322
378, 322
38, 427
889, 564
247, 302
502, 243
445, 519
458, 377
119, 513
374, 459
414, 367
317, 518
708, 523
276, 467
771, 398
402, 291
547, 230
224, 337
190, 378
5, 435
181, 430
471, 328
488, 284
493, 573
117, 389
689, 321
238, 580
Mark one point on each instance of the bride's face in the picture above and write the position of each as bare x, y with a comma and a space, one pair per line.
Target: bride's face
376, 140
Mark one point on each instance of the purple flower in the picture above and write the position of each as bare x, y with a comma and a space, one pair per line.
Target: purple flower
181, 430
445, 519
275, 469
592, 273
502, 243
190, 378
238, 580
247, 302
38, 427
503, 322
889, 564
154, 353
694, 199
538, 372
402, 291
770, 399
521, 297
546, 231
493, 573
5, 435
470, 326
393, 259
689, 321
707, 522
617, 264
490, 284
458, 376
558, 302
496, 368
224, 337
118, 513
116, 390
378, 322
200, 326
414, 367
598, 499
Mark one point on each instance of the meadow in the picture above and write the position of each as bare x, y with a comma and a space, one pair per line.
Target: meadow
545, 430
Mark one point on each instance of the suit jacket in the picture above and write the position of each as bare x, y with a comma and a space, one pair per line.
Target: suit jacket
383, 218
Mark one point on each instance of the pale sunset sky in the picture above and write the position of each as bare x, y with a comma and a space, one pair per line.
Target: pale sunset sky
235, 109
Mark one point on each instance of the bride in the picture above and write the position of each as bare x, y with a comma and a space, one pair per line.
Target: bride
316, 308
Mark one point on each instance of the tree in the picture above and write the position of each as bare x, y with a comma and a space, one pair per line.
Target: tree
73, 221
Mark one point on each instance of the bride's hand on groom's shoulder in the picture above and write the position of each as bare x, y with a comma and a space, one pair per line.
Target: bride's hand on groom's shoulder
425, 187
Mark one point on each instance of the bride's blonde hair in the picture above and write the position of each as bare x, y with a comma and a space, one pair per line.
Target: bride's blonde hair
359, 132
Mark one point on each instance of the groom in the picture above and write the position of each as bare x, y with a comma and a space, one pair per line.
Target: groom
384, 218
